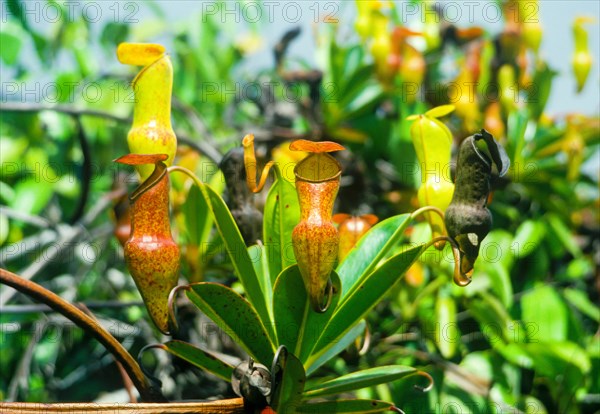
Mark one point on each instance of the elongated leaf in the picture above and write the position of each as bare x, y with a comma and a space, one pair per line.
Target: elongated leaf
447, 337
364, 101
238, 254
360, 379
200, 358
551, 358
528, 237
234, 315
369, 250
281, 214
493, 318
544, 307
558, 229
500, 282
564, 362
516, 128
539, 91
346, 406
337, 347
258, 255
581, 301
368, 292
355, 82
288, 393
197, 220
298, 326
11, 44
31, 195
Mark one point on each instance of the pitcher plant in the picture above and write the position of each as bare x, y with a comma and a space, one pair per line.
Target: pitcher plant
151, 255
315, 238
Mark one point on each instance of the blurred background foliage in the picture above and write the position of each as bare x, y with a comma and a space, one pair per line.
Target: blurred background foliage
524, 334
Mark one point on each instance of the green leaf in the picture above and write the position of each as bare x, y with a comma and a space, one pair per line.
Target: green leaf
516, 128
288, 393
364, 101
447, 335
564, 360
495, 261
298, 326
32, 195
352, 86
11, 151
360, 379
234, 315
528, 237
581, 301
113, 34
4, 228
501, 283
16, 10
197, 220
494, 320
238, 253
281, 215
11, 45
544, 307
258, 255
579, 268
539, 91
369, 291
200, 358
337, 347
369, 250
7, 194
558, 230
346, 406
516, 354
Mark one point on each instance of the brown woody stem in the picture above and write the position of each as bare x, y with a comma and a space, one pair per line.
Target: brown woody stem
230, 406
147, 392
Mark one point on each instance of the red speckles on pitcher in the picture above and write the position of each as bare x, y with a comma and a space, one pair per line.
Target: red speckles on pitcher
315, 238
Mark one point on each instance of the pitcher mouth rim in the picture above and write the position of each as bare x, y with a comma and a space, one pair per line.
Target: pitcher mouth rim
332, 178
324, 180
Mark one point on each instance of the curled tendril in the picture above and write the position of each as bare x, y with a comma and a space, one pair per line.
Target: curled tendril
460, 278
329, 293
173, 325
277, 368
366, 342
155, 381
250, 165
426, 375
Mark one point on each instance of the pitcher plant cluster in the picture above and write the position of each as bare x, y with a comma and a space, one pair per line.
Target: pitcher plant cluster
332, 245
338, 272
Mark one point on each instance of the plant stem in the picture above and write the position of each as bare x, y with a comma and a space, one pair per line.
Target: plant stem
230, 406
33, 308
147, 392
426, 209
